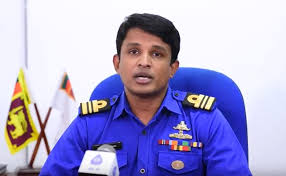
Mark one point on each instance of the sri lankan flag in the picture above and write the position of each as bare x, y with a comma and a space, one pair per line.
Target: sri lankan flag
64, 101
20, 129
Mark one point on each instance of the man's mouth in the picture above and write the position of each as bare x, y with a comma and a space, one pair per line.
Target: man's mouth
143, 77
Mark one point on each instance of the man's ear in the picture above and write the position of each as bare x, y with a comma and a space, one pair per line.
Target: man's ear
174, 68
116, 61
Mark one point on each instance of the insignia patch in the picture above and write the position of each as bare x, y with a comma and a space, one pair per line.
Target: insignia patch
181, 127
177, 164
179, 144
167, 142
199, 101
180, 148
94, 106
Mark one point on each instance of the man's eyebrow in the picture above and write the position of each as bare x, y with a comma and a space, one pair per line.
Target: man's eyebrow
133, 44
160, 48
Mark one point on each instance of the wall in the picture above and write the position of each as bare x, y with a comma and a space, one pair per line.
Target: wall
244, 39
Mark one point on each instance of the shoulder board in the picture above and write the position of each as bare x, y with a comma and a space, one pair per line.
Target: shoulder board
199, 101
94, 106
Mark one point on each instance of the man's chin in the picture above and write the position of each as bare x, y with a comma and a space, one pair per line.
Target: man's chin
147, 93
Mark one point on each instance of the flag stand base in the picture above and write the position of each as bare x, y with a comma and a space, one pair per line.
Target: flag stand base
28, 171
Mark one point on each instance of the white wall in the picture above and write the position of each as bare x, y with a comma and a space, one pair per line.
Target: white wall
244, 39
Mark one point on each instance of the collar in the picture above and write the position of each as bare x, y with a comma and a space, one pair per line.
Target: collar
169, 103
120, 108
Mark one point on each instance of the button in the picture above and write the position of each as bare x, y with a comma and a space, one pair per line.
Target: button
144, 132
142, 171
113, 99
176, 94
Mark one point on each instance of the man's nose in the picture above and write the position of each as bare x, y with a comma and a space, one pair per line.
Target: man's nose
145, 61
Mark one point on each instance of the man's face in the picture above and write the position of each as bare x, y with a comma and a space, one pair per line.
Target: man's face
144, 64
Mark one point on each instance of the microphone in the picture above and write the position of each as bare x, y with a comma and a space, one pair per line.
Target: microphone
101, 162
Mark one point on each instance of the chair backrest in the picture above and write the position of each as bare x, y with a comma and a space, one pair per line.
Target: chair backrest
202, 81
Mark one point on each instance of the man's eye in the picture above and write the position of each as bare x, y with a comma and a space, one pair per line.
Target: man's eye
157, 54
133, 51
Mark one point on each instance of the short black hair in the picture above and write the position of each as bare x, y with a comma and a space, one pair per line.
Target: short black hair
153, 24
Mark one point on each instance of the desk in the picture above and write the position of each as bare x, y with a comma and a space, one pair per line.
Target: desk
29, 172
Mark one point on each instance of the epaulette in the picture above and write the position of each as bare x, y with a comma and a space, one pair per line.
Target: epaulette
199, 101
94, 106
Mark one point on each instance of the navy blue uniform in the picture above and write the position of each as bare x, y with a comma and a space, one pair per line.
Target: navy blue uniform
149, 150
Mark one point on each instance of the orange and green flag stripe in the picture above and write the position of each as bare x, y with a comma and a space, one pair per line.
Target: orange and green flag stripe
66, 86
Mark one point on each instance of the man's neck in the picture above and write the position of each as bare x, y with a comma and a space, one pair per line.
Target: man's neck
145, 107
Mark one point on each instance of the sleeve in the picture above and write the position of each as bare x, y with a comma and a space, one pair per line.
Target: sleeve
66, 156
222, 152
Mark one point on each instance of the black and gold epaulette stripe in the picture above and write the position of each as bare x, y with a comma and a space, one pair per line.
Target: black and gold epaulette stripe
94, 106
199, 101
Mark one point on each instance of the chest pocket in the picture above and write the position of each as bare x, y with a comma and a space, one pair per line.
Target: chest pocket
121, 159
122, 162
180, 163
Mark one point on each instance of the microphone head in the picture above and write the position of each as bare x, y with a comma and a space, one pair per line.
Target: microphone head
99, 162
106, 148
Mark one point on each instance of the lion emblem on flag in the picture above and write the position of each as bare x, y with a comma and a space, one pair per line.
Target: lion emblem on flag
17, 119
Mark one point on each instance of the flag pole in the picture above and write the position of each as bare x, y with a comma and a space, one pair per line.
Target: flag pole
26, 55
26, 34
43, 125
42, 135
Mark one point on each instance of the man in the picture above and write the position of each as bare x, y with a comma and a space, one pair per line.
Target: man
161, 132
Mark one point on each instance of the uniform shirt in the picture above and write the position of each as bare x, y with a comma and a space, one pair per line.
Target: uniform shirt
143, 152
